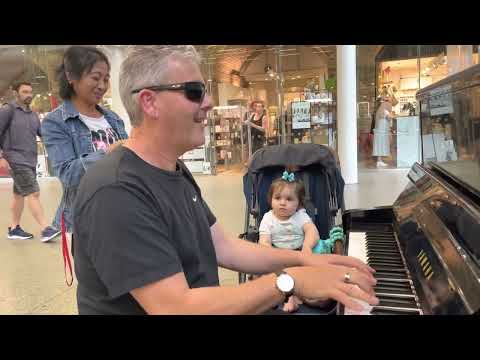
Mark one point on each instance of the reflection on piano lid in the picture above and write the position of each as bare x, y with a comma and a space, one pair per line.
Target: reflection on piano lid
423, 249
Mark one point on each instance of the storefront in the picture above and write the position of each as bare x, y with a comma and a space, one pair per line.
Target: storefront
400, 70
295, 85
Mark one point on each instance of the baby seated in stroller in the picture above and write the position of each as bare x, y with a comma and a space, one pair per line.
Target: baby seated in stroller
288, 226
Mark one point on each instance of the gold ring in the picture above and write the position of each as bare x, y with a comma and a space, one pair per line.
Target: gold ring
347, 278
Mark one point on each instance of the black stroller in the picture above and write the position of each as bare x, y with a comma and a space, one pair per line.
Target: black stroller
319, 171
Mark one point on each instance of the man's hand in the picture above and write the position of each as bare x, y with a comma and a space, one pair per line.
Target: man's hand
4, 165
327, 281
346, 261
115, 145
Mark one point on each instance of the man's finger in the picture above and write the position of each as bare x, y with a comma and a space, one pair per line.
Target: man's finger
359, 279
356, 292
343, 298
351, 262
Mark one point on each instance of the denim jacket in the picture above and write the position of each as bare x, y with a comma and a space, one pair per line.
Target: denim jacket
68, 142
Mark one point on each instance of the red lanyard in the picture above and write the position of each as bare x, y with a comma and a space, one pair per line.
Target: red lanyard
66, 256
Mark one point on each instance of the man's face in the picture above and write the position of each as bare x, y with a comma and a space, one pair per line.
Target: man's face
25, 94
180, 117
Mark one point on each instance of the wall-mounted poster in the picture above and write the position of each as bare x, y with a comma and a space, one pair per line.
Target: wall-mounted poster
300, 115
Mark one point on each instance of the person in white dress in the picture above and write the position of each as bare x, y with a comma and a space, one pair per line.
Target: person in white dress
381, 138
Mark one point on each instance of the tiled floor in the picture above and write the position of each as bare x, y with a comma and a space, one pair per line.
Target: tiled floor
31, 273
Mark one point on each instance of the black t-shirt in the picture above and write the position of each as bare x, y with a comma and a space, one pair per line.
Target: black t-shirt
135, 224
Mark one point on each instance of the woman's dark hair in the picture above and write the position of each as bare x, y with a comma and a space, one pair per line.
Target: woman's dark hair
77, 61
279, 184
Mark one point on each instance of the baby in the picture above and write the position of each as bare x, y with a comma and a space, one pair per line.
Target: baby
288, 226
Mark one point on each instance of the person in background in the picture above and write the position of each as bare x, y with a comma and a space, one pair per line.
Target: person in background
19, 128
383, 122
79, 132
259, 125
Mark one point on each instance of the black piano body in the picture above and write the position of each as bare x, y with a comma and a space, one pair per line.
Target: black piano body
437, 229
435, 222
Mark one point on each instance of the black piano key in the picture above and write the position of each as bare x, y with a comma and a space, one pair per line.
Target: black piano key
379, 233
381, 252
393, 311
393, 280
385, 261
380, 238
396, 296
390, 270
405, 303
394, 285
385, 257
375, 244
386, 275
389, 247
392, 290
385, 264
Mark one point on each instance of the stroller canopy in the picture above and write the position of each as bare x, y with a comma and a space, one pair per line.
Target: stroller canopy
301, 155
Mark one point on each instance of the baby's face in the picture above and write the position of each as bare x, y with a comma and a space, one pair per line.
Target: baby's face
285, 202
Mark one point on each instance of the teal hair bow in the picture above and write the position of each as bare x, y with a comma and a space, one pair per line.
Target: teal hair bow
288, 177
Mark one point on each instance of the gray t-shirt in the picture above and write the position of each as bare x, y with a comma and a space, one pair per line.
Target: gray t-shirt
135, 224
20, 145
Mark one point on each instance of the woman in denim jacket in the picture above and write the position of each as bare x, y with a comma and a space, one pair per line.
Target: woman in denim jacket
79, 132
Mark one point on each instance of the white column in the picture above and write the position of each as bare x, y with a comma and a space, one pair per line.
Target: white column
116, 54
347, 112
459, 57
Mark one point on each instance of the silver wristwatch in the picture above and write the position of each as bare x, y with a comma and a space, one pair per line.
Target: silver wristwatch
285, 284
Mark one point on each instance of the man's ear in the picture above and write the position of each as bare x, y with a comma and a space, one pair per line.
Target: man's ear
146, 100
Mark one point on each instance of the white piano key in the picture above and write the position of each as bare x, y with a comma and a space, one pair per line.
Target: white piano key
357, 246
367, 308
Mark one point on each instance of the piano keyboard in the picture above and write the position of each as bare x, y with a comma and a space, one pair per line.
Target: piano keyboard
394, 289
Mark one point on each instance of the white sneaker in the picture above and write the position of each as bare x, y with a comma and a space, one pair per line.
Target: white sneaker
381, 164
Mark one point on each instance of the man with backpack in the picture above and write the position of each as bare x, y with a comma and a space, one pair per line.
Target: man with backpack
19, 128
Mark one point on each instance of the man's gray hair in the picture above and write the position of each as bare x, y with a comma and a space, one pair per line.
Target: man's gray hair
147, 65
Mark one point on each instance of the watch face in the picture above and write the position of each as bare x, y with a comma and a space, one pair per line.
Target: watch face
285, 283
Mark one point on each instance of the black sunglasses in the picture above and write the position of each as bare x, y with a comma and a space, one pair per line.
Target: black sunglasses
193, 90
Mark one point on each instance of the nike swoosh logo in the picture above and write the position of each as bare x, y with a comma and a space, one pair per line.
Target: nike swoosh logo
194, 198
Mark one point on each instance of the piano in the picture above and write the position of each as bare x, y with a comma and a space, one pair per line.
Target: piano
425, 248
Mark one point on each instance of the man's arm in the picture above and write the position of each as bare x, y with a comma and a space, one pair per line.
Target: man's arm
173, 296
5, 116
244, 256
132, 251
